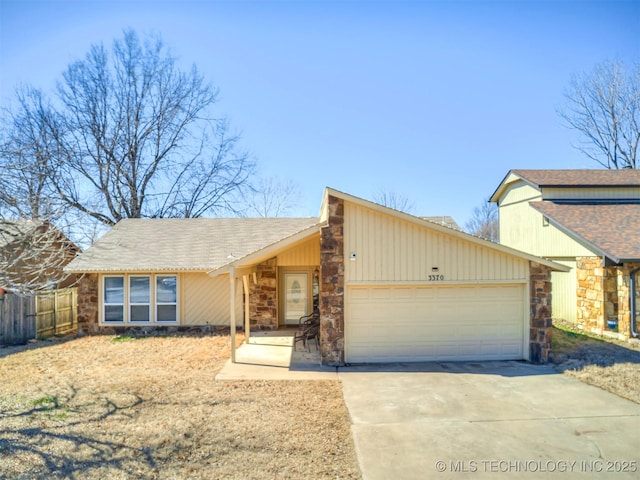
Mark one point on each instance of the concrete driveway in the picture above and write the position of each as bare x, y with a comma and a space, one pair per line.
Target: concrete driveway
487, 420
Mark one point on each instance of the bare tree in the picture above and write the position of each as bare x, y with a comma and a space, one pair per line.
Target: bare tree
395, 200
32, 256
484, 222
27, 150
604, 106
272, 197
135, 137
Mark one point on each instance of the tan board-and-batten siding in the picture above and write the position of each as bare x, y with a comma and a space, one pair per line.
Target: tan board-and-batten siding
383, 248
202, 300
306, 253
205, 300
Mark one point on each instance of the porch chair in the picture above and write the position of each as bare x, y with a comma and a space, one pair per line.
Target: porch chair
308, 329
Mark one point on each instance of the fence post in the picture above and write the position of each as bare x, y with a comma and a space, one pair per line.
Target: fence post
55, 311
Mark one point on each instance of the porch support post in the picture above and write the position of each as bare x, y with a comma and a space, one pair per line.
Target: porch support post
232, 289
247, 320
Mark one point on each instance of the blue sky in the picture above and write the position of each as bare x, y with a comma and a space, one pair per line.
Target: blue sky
433, 100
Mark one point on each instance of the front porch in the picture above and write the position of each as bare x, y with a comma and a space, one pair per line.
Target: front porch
273, 355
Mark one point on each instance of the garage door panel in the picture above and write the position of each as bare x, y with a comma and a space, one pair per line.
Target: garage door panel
425, 323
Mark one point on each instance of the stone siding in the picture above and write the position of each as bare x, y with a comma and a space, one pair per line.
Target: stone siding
604, 295
621, 287
263, 297
332, 285
88, 304
540, 323
590, 294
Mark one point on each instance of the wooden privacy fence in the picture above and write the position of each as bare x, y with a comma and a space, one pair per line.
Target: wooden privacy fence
56, 312
23, 318
17, 319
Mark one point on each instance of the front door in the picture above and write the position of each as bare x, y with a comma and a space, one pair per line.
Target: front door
296, 297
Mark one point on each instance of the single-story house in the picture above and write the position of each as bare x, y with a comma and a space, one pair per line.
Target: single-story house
388, 286
589, 221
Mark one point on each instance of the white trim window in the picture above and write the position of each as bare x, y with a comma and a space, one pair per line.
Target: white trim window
139, 299
166, 298
113, 309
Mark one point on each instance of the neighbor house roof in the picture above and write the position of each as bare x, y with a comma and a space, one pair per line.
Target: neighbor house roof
445, 220
571, 179
611, 230
194, 244
581, 178
11, 230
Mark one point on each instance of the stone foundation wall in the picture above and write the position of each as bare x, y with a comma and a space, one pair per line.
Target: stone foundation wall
540, 323
332, 286
263, 297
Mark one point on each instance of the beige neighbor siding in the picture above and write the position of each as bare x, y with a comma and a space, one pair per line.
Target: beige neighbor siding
305, 253
205, 300
627, 193
523, 228
390, 249
564, 296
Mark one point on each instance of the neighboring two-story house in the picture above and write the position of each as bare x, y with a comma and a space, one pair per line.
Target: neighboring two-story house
588, 220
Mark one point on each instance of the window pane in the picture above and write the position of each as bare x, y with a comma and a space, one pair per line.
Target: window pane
166, 289
139, 290
166, 313
139, 313
114, 290
114, 313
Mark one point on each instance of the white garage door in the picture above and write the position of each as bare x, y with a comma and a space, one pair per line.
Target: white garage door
425, 323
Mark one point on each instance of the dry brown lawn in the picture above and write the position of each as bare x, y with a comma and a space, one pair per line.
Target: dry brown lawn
611, 365
103, 407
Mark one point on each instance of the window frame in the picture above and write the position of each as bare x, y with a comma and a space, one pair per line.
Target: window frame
157, 303
127, 304
105, 304
131, 304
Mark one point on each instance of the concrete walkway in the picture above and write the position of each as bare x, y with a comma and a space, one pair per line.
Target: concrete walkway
465, 420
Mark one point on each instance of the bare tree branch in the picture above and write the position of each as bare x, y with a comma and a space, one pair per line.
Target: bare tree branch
32, 256
604, 106
484, 222
132, 136
395, 200
272, 197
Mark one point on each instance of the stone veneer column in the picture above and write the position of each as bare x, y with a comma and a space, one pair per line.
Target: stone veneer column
263, 297
540, 324
590, 295
332, 286
623, 290
88, 304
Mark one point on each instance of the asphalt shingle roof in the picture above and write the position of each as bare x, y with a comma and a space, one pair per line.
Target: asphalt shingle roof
11, 230
195, 244
613, 229
581, 178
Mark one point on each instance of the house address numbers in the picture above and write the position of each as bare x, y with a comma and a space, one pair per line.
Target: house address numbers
435, 278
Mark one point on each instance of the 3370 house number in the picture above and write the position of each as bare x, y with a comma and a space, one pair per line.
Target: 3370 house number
435, 278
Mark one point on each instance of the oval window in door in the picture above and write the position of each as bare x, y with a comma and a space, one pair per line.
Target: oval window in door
295, 291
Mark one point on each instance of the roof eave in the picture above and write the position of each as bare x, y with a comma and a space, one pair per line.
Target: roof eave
273, 248
448, 231
595, 248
